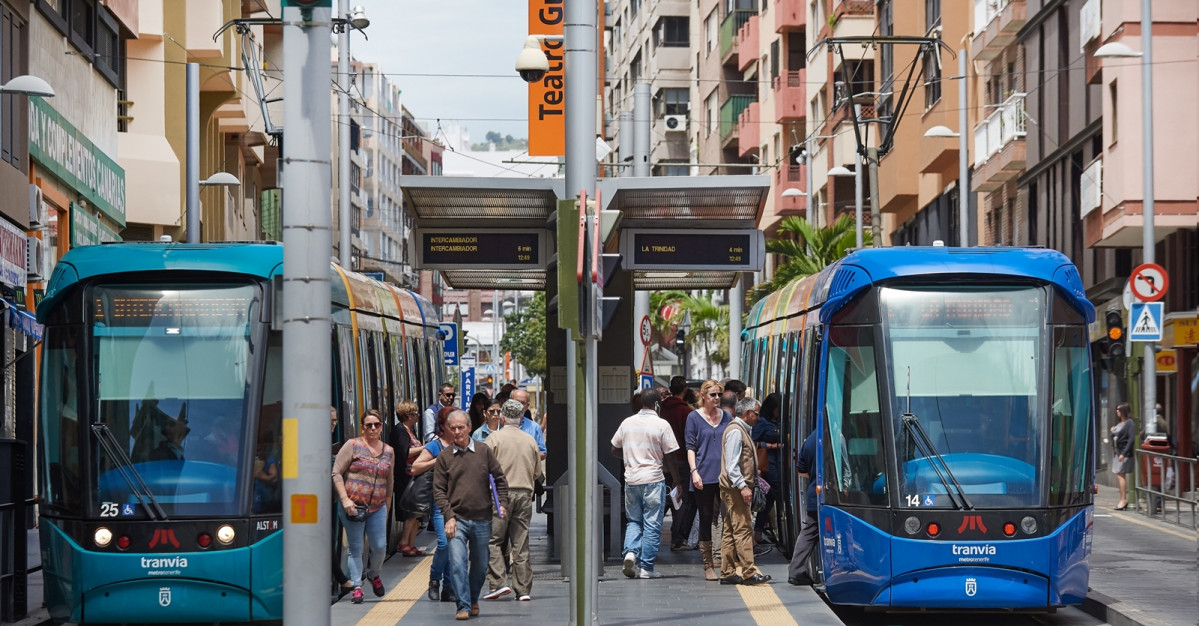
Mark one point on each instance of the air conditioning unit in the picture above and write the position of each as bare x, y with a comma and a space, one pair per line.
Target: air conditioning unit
37, 207
675, 123
34, 259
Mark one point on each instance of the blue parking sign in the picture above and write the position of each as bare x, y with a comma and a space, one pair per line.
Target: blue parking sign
450, 344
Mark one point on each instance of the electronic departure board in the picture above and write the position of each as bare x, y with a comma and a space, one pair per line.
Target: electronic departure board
693, 250
498, 249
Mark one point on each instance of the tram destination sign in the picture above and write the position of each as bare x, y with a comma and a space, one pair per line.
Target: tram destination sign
739, 250
496, 249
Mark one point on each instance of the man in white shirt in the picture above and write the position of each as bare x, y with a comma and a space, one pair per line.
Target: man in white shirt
643, 441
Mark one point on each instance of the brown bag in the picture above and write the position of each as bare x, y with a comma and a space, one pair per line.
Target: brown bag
763, 460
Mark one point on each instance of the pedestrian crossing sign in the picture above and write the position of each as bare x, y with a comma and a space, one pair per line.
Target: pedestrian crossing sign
1146, 321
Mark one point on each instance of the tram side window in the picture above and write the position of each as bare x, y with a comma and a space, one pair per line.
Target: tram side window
268, 471
62, 486
347, 372
853, 451
1070, 463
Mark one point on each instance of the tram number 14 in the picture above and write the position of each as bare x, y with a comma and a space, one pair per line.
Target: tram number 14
913, 500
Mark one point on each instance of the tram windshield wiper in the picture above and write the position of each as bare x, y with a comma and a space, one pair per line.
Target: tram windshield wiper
912, 424
125, 467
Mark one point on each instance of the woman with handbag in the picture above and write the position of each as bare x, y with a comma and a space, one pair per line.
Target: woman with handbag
439, 575
364, 477
1122, 439
402, 437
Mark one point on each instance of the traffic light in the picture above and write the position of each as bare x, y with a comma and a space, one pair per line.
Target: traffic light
1115, 333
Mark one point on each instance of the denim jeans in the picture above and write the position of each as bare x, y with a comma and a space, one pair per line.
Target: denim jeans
644, 505
374, 528
441, 556
473, 536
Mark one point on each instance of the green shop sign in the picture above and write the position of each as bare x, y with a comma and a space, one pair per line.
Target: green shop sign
86, 230
61, 148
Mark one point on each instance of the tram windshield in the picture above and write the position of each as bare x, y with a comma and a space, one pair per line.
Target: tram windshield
965, 362
170, 368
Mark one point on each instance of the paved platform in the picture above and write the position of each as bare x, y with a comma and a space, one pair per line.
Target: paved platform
1143, 572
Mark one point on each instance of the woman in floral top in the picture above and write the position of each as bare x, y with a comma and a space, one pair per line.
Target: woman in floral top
364, 475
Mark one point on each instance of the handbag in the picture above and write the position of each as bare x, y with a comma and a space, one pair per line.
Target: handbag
417, 498
760, 489
359, 515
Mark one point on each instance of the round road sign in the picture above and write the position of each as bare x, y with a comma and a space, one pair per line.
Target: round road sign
1149, 282
646, 330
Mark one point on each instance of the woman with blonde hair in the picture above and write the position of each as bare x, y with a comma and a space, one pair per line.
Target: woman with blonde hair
364, 477
703, 432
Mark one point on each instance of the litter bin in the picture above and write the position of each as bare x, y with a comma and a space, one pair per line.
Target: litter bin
1153, 469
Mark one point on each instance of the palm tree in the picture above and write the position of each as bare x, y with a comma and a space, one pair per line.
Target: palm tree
709, 330
807, 250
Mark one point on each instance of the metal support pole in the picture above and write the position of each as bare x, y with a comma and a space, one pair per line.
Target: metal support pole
1148, 239
193, 153
813, 204
307, 244
876, 219
736, 302
963, 170
641, 129
579, 31
857, 197
344, 247
624, 151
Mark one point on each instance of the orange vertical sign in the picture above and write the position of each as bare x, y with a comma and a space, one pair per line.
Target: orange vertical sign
547, 97
304, 508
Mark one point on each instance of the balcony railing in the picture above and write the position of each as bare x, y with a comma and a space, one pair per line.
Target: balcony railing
748, 131
747, 43
790, 95
1004, 124
728, 29
789, 14
730, 112
985, 11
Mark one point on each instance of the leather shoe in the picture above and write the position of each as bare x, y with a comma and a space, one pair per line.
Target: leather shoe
756, 579
731, 580
800, 581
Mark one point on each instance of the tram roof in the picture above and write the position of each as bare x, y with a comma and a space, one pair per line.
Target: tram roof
676, 202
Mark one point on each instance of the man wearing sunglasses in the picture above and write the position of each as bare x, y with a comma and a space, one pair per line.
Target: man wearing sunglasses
428, 421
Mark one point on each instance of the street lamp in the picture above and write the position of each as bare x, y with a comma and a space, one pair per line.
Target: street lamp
841, 170
1118, 50
28, 85
792, 192
220, 179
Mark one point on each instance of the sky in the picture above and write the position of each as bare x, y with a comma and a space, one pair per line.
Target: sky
452, 59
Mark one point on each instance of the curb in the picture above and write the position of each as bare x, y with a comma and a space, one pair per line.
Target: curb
1116, 612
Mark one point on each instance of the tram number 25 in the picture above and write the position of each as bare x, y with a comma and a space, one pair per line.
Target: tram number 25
109, 509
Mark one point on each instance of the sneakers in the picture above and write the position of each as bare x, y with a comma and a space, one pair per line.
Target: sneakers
525, 598
496, 594
681, 547
645, 573
630, 565
357, 599
762, 548
434, 590
377, 585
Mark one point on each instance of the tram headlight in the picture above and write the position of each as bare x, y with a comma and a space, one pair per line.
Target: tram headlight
912, 525
225, 534
102, 537
1028, 525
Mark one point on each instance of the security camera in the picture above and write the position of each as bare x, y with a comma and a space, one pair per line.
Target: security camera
531, 64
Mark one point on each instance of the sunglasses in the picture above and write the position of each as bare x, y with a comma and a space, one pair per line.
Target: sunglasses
714, 395
449, 395
373, 425
492, 411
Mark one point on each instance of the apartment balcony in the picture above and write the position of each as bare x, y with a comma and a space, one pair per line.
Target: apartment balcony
999, 145
996, 23
747, 43
790, 95
667, 60
788, 176
790, 15
728, 33
730, 115
748, 130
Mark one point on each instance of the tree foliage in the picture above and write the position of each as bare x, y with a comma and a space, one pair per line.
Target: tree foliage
525, 335
709, 330
807, 250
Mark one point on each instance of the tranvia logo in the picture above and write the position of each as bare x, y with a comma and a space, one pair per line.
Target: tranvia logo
973, 550
971, 587
174, 561
164, 596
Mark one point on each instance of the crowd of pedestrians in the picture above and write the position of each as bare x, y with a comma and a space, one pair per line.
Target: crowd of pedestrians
709, 456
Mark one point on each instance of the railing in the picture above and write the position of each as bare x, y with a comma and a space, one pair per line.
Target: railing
1170, 482
729, 27
730, 111
1005, 123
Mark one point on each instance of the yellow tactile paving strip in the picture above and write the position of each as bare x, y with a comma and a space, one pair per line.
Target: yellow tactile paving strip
396, 604
765, 606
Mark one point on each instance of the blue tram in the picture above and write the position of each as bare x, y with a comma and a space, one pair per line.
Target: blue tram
950, 389
160, 408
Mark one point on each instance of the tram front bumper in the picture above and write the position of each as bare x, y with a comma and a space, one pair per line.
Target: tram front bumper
166, 600
967, 587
